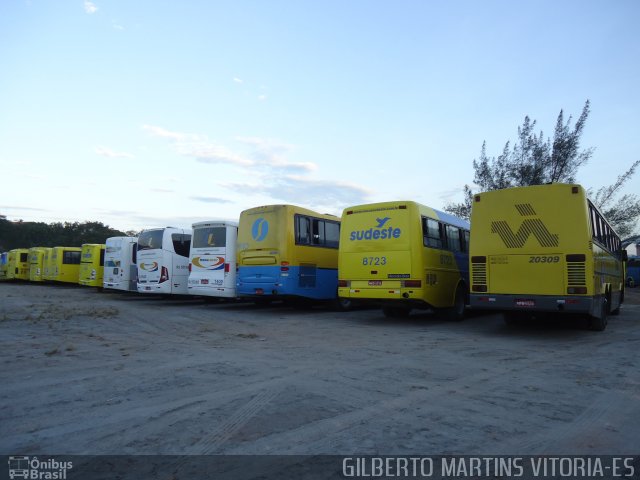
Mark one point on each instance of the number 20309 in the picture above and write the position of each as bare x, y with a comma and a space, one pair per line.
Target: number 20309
550, 259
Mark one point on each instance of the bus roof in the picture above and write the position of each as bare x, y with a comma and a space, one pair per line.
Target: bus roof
443, 216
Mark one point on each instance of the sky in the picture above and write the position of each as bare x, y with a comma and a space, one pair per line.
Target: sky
141, 113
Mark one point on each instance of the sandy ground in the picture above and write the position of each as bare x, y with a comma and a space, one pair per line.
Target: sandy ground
84, 372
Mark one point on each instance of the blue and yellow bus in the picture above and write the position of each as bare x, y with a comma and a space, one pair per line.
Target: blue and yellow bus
285, 251
402, 255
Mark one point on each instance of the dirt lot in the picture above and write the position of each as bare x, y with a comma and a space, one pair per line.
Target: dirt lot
108, 373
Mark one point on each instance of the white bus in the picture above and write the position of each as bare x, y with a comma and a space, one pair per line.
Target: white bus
163, 260
120, 263
212, 262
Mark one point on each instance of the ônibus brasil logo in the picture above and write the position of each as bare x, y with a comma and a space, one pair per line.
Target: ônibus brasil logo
149, 267
379, 232
35, 469
259, 229
209, 263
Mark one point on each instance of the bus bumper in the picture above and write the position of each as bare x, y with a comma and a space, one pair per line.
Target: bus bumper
532, 303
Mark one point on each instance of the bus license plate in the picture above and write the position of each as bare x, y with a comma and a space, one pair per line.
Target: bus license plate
375, 283
204, 281
525, 303
259, 291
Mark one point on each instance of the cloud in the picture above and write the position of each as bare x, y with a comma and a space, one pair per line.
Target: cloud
211, 199
212, 153
107, 152
162, 190
237, 80
262, 98
90, 7
296, 189
8, 207
117, 26
272, 153
164, 133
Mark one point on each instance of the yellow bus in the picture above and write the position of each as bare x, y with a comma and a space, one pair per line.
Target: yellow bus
403, 255
65, 264
545, 248
285, 251
18, 264
36, 259
47, 265
92, 265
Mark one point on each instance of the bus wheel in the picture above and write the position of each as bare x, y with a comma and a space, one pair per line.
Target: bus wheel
456, 312
343, 304
396, 312
599, 323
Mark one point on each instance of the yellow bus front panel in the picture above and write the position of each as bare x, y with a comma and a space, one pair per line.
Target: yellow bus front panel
18, 264
36, 264
92, 265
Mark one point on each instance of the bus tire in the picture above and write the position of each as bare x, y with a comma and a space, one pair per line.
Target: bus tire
343, 304
456, 312
599, 323
396, 312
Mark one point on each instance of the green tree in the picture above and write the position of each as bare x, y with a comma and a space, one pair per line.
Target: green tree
534, 160
38, 234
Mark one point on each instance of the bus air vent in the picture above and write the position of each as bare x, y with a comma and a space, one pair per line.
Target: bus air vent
576, 271
479, 273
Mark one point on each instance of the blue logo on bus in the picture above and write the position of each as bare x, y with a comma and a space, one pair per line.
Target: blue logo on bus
259, 229
379, 232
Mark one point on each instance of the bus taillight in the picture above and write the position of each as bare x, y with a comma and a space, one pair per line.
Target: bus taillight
227, 267
412, 283
189, 267
343, 283
164, 275
577, 290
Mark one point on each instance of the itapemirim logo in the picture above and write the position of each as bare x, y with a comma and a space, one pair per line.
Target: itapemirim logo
529, 226
32, 468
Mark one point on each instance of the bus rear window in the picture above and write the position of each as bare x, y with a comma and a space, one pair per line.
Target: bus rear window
150, 240
209, 237
24, 257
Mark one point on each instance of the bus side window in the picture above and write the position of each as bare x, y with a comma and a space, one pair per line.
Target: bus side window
332, 234
303, 230
102, 257
71, 258
318, 237
433, 233
134, 254
453, 238
465, 234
